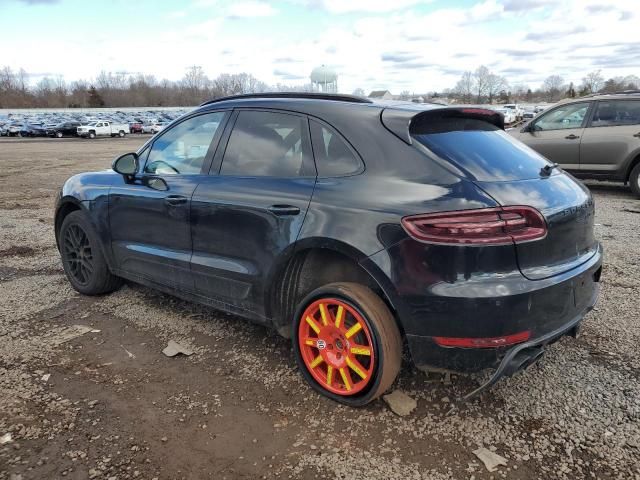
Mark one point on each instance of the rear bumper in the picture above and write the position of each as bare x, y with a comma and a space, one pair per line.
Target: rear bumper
556, 307
525, 354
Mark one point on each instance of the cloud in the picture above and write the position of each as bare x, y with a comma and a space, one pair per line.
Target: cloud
599, 8
399, 57
286, 60
514, 52
288, 75
250, 10
555, 35
525, 5
377, 6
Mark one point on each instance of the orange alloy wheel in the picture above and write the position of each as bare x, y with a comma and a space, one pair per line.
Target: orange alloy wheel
336, 346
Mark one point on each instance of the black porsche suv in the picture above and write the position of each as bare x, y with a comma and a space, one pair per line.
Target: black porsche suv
350, 227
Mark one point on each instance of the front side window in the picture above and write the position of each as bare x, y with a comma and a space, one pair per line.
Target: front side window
266, 144
333, 156
616, 113
182, 149
564, 117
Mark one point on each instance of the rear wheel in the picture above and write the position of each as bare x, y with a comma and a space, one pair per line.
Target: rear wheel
634, 180
82, 258
59, 134
121, 133
347, 344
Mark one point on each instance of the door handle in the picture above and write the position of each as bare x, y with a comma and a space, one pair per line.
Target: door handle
572, 137
283, 210
174, 200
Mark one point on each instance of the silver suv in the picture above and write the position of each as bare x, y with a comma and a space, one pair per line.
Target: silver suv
591, 137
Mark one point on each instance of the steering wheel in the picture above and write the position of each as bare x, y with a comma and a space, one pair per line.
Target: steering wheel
161, 165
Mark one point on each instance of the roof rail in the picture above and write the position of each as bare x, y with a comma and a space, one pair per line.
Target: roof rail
627, 92
621, 92
305, 95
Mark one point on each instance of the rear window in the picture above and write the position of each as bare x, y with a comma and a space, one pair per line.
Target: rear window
482, 150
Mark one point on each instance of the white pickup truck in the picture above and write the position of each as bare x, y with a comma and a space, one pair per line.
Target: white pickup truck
102, 128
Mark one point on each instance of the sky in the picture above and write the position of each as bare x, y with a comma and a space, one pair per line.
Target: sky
414, 45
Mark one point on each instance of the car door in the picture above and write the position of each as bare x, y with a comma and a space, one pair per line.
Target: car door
250, 209
557, 133
612, 137
149, 217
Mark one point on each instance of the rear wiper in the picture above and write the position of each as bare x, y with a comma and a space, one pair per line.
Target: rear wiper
547, 169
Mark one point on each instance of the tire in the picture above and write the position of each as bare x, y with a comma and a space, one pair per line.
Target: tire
92, 135
82, 258
121, 133
59, 135
324, 350
634, 180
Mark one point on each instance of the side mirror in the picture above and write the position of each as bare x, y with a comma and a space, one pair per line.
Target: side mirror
126, 164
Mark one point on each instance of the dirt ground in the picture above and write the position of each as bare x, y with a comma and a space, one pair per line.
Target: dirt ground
104, 402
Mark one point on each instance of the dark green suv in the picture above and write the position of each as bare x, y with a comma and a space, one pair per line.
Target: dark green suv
591, 137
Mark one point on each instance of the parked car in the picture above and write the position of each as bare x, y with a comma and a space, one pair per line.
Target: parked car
158, 127
593, 137
135, 127
15, 130
349, 226
515, 109
103, 128
66, 129
147, 128
4, 129
32, 130
509, 115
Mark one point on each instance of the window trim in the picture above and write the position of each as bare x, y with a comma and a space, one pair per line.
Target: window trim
335, 131
309, 166
595, 109
585, 121
215, 142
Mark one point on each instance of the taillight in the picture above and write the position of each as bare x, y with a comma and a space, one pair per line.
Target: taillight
486, 226
492, 342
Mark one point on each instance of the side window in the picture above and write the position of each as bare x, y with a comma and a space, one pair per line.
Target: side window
333, 156
562, 118
267, 144
182, 149
617, 112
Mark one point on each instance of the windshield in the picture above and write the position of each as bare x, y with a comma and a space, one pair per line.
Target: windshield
482, 150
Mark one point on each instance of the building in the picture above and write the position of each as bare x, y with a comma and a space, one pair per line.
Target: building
381, 95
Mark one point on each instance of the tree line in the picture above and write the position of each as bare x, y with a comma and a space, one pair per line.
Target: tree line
126, 90
484, 86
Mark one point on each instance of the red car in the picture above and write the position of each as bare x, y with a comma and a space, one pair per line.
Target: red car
135, 127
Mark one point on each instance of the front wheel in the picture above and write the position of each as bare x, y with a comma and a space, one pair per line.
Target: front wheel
59, 134
82, 258
634, 180
347, 343
92, 135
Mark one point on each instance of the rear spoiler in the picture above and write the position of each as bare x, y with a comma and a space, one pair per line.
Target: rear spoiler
399, 121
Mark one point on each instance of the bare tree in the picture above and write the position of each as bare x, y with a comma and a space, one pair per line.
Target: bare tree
552, 87
481, 76
465, 87
494, 85
593, 82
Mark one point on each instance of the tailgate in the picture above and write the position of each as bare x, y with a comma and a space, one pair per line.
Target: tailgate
568, 210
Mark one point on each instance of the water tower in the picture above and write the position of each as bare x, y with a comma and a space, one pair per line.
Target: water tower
324, 79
